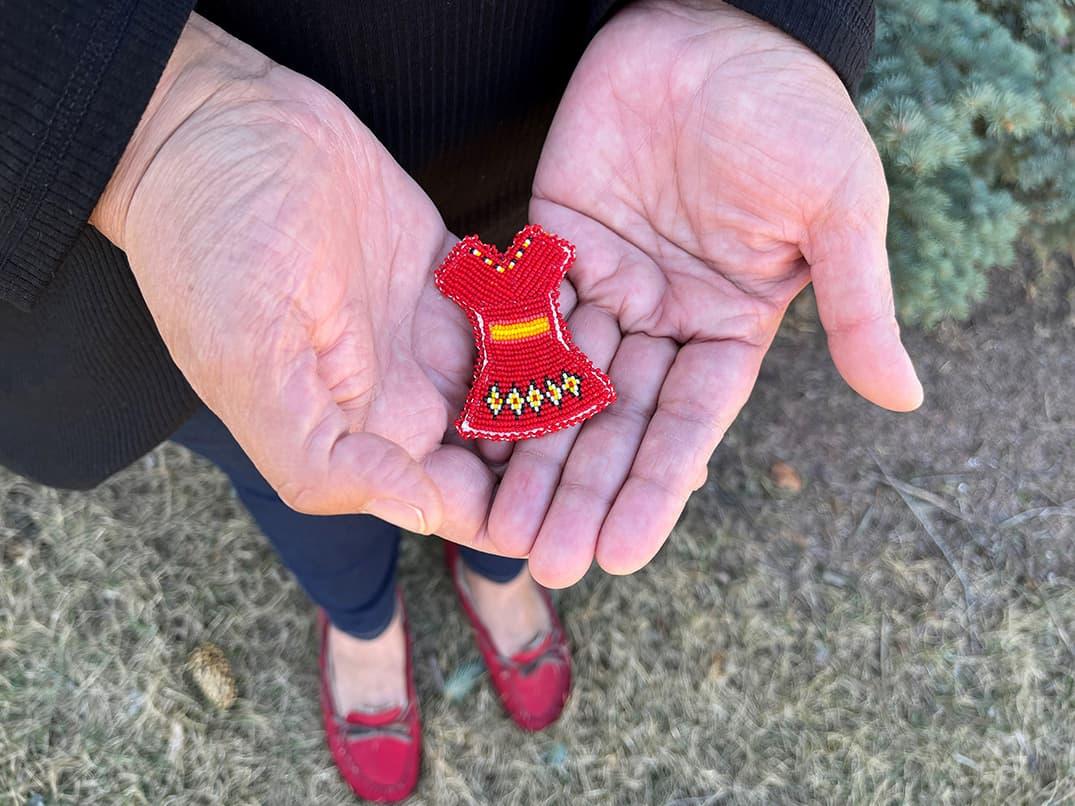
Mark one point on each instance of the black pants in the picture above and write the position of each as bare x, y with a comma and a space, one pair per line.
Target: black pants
346, 563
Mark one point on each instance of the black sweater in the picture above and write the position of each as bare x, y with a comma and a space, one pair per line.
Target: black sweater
86, 385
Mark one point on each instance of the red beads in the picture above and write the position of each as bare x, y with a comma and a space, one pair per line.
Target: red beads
529, 378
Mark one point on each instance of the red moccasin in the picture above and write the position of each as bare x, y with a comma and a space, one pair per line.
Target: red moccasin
533, 684
378, 754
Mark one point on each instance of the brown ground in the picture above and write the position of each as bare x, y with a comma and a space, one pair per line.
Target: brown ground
900, 630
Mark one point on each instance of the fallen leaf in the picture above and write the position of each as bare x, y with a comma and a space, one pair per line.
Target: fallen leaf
786, 477
718, 667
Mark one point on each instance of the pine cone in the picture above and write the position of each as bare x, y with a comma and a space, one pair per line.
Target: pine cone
212, 672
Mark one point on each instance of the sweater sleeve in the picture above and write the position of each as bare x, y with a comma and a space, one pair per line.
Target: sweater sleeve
839, 31
75, 77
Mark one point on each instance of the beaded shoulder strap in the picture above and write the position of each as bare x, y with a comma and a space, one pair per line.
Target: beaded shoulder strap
530, 378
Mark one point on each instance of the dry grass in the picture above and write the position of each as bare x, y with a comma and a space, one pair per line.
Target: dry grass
871, 639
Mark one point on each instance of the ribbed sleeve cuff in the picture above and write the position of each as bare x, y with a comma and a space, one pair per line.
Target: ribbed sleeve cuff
75, 77
839, 31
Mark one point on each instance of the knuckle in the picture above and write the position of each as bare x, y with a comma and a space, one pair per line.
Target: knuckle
303, 497
587, 491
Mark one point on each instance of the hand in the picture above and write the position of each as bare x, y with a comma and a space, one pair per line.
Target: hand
708, 167
287, 261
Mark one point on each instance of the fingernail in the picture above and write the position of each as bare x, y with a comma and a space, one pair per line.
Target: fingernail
404, 515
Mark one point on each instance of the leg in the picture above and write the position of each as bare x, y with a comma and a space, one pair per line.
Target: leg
507, 599
491, 566
346, 563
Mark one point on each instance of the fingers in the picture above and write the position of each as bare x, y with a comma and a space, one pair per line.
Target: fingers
494, 453
320, 462
360, 473
533, 472
599, 462
701, 396
447, 493
849, 269
465, 484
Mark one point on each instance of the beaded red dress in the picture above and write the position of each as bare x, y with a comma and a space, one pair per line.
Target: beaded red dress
529, 378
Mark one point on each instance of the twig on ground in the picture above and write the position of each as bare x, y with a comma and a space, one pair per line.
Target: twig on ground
1065, 639
882, 654
934, 500
969, 598
1067, 508
864, 522
954, 476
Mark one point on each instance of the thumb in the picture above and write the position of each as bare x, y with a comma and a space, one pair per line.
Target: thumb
366, 473
849, 269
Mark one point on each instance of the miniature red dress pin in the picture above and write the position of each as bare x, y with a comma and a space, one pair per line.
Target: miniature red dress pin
530, 378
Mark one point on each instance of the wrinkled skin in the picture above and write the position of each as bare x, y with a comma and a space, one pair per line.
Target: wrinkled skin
287, 261
708, 167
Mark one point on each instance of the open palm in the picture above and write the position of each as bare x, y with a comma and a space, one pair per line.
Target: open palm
287, 261
708, 167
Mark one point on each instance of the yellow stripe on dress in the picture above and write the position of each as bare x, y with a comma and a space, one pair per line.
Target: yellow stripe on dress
519, 330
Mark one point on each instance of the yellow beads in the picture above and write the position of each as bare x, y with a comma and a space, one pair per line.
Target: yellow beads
488, 261
519, 330
534, 396
494, 400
